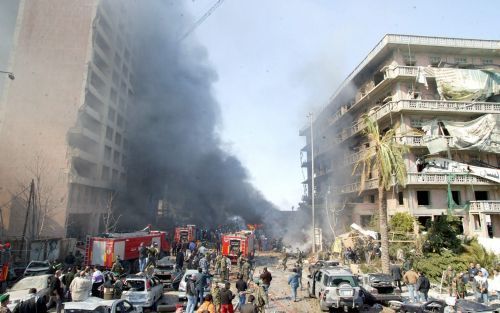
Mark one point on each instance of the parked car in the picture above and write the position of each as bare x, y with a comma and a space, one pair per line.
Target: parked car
336, 288
20, 290
167, 273
437, 306
143, 291
37, 268
377, 287
182, 285
98, 305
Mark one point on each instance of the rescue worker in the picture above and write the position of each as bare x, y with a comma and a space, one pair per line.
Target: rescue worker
218, 259
261, 299
245, 271
4, 300
283, 263
117, 267
153, 253
223, 269
143, 257
216, 296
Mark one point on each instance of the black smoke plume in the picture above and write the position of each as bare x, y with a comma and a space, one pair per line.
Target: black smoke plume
176, 153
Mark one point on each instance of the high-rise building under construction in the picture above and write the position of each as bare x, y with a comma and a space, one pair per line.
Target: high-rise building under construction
64, 119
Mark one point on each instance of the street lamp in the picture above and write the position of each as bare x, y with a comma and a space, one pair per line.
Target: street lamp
10, 74
310, 115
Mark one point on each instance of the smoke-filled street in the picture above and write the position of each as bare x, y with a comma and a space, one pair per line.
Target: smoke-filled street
249, 156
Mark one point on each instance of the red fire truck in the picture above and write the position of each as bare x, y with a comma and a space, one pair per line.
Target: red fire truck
185, 233
242, 241
4, 262
103, 250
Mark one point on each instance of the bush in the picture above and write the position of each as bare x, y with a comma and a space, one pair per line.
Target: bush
402, 222
433, 264
443, 234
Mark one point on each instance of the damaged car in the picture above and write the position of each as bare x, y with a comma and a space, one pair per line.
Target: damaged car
167, 273
378, 287
438, 306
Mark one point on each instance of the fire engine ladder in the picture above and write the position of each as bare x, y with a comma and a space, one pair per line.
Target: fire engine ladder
86, 260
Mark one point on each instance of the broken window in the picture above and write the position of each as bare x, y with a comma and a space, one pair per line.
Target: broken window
481, 195
434, 60
409, 59
372, 199
423, 197
455, 194
400, 198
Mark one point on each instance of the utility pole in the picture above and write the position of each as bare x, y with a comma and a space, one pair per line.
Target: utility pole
312, 182
31, 199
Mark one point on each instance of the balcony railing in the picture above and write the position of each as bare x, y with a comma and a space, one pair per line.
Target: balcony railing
422, 105
440, 179
485, 206
354, 187
417, 141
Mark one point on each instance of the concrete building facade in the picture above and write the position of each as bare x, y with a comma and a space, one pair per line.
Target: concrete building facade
400, 85
63, 120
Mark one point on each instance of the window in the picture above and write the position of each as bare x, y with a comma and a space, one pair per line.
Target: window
434, 60
481, 195
116, 157
111, 114
423, 197
105, 173
372, 198
400, 198
487, 61
119, 121
365, 220
107, 153
118, 139
115, 176
109, 133
460, 60
456, 196
409, 59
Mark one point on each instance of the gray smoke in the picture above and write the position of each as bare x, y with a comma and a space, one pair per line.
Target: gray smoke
176, 153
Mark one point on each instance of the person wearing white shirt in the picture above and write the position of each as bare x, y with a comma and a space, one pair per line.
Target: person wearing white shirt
482, 288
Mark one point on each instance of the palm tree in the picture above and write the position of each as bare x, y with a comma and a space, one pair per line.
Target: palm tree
386, 157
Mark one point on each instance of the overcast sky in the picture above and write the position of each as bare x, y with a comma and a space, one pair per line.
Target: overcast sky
279, 59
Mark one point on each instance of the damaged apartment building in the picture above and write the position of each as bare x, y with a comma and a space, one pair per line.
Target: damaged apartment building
442, 97
64, 119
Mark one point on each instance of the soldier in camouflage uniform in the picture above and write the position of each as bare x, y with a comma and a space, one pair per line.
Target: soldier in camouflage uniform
216, 296
260, 297
217, 263
223, 269
245, 269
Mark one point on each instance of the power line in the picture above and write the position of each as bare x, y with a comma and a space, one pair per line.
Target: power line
201, 19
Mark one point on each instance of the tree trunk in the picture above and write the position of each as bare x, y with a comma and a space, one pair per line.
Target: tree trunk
384, 236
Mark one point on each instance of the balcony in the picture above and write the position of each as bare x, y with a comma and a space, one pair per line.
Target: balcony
417, 141
79, 153
355, 157
441, 106
442, 179
82, 131
492, 206
354, 187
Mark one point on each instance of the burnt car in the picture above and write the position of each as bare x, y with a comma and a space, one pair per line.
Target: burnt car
378, 287
438, 306
313, 267
167, 273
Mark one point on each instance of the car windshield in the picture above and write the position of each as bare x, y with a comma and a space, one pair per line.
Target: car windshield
38, 282
335, 281
165, 266
136, 285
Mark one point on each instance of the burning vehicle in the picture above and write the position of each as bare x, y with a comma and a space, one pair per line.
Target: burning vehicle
168, 274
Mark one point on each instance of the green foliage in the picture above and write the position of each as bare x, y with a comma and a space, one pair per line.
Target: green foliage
433, 264
373, 267
476, 253
443, 235
402, 222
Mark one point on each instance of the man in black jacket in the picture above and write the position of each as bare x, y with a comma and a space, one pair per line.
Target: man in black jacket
226, 299
56, 292
396, 275
423, 285
34, 304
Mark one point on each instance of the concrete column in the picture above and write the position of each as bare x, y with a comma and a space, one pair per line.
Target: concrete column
484, 227
495, 223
